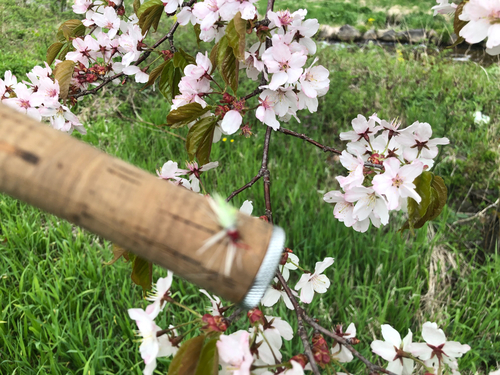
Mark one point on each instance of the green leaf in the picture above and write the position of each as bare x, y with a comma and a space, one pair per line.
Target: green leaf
71, 29
197, 31
63, 73
60, 37
213, 57
182, 59
199, 139
53, 51
147, 5
186, 359
151, 17
186, 114
433, 192
209, 358
137, 6
155, 73
236, 33
169, 81
65, 50
228, 64
142, 273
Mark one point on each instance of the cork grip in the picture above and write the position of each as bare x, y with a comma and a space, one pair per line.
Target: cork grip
152, 218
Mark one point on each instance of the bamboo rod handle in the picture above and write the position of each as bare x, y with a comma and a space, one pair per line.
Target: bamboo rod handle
152, 218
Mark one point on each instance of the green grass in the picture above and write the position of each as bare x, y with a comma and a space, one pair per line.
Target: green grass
63, 312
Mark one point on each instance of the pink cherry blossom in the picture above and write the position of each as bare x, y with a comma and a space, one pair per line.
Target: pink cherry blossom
482, 17
86, 49
392, 350
286, 66
437, 351
26, 101
170, 171
172, 5
417, 142
133, 70
397, 181
265, 112
203, 67
108, 20
343, 210
81, 6
444, 7
303, 31
186, 16
316, 282
231, 122
314, 80
362, 129
216, 304
355, 166
367, 202
234, 353
252, 63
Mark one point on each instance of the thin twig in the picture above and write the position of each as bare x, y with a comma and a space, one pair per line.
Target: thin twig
246, 186
267, 175
479, 214
302, 329
123, 117
235, 316
310, 140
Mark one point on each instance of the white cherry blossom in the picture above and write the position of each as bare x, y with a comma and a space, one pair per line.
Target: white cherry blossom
392, 350
315, 282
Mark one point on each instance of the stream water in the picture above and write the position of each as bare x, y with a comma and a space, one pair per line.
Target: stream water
461, 53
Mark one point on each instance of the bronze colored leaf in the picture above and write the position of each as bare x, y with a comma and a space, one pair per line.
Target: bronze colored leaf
53, 51
63, 73
186, 114
142, 273
236, 34
199, 139
187, 357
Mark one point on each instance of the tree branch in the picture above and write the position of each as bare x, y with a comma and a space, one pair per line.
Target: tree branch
302, 330
310, 140
246, 186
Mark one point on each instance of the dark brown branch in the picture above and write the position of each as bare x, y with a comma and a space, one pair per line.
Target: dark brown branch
310, 140
302, 329
235, 316
246, 186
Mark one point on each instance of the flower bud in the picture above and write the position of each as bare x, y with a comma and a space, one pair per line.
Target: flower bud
255, 316
301, 359
214, 323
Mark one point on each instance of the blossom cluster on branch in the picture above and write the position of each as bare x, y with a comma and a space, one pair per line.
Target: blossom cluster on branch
382, 170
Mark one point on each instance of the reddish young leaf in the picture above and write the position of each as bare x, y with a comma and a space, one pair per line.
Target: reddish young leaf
187, 357
63, 73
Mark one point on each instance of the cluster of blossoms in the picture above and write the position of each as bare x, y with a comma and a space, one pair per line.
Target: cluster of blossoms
39, 98
382, 169
214, 15
260, 345
482, 17
435, 354
111, 48
291, 86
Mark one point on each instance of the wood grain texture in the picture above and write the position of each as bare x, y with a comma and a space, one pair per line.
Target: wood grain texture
150, 217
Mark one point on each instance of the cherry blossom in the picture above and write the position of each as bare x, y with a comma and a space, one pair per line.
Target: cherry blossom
340, 352
315, 80
161, 288
265, 112
172, 5
216, 304
26, 101
247, 207
85, 49
343, 210
397, 181
108, 20
417, 142
482, 17
273, 295
269, 338
234, 353
363, 128
437, 351
231, 122
444, 7
170, 171
81, 6
315, 282
186, 16
286, 66
151, 346
368, 202
393, 350
133, 70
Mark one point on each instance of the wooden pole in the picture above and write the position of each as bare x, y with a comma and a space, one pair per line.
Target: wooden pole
152, 218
